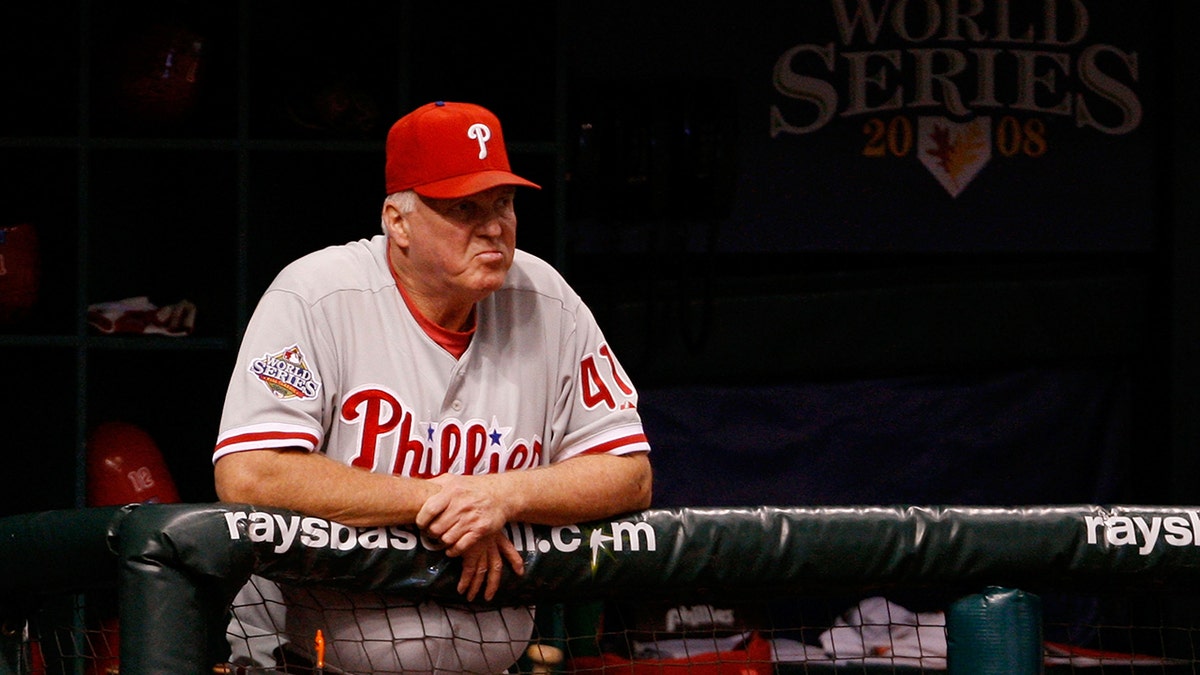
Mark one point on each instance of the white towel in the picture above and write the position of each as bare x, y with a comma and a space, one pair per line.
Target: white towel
877, 629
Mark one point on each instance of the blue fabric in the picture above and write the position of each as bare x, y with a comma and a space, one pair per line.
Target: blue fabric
1018, 438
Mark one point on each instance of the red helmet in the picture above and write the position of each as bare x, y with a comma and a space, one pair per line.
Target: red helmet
124, 466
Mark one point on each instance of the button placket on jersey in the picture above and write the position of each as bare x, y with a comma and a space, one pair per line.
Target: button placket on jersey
453, 394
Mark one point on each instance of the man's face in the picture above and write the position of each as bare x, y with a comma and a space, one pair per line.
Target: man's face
463, 247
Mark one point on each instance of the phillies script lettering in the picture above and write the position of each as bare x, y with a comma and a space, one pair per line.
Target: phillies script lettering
387, 428
389, 431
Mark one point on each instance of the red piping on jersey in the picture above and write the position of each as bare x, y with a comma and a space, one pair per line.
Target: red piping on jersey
267, 436
615, 443
455, 342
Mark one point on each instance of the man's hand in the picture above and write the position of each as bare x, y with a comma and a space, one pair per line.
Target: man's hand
468, 513
483, 566
469, 521
462, 513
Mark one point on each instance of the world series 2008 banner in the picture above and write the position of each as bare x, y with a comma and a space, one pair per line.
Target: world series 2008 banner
950, 125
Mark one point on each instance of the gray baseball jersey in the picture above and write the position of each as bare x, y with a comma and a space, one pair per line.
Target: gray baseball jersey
334, 361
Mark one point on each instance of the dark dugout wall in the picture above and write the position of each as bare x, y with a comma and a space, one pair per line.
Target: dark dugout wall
860, 199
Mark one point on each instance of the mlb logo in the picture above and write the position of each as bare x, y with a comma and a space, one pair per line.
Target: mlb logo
954, 152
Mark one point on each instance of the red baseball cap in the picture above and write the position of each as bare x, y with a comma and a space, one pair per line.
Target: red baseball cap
445, 150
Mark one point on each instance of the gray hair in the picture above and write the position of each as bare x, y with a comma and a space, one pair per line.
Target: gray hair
404, 201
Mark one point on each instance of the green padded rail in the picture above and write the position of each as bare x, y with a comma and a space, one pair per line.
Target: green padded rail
746, 551
179, 565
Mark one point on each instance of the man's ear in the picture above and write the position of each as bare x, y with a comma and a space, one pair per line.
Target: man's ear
396, 224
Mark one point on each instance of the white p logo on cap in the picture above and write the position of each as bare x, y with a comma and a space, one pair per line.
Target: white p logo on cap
481, 133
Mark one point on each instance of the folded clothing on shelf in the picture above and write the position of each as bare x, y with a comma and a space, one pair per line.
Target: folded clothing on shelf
139, 315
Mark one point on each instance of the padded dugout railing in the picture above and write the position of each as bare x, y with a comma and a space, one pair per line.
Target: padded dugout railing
177, 567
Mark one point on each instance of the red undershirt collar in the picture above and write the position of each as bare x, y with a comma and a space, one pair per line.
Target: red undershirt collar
454, 342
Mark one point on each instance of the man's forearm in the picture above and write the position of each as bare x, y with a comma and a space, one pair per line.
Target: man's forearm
313, 484
579, 489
